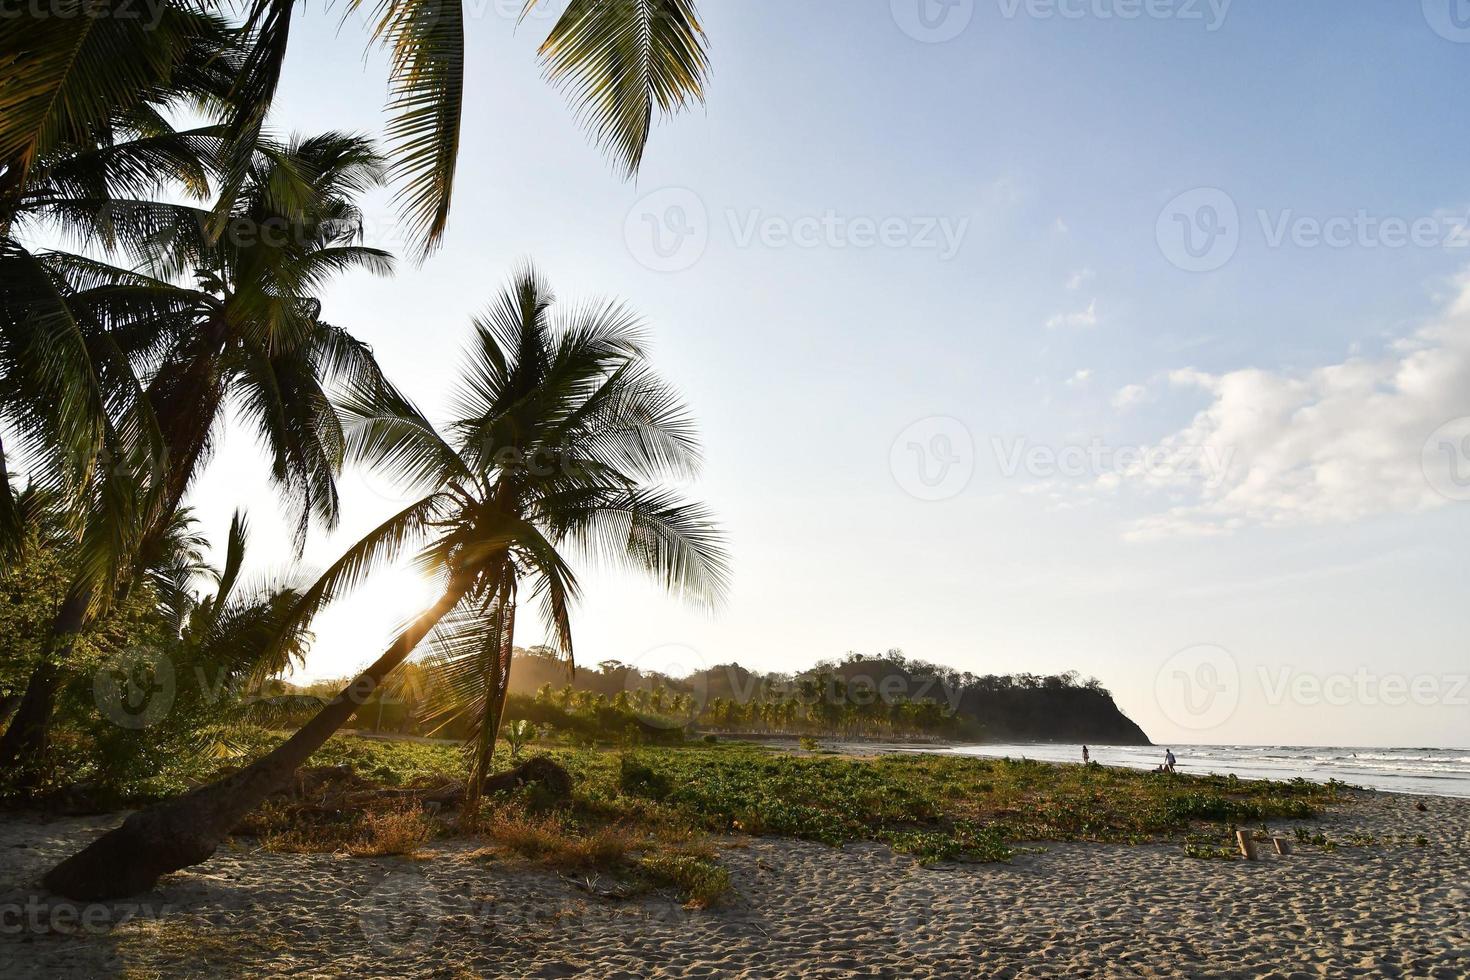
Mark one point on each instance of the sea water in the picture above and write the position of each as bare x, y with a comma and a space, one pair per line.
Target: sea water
1438, 772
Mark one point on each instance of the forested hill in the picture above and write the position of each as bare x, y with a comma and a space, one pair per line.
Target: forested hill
860, 695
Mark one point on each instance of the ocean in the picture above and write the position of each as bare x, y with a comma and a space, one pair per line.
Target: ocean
1437, 772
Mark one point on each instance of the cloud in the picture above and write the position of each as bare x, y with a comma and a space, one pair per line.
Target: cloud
1079, 277
1083, 320
1079, 378
1128, 396
1335, 444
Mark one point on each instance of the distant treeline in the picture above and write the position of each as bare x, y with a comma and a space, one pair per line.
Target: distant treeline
860, 696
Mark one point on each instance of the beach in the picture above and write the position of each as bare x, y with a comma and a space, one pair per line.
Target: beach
1382, 903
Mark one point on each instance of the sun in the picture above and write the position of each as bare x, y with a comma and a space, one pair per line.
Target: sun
353, 631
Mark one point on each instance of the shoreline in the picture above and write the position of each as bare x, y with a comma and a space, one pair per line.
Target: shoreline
797, 909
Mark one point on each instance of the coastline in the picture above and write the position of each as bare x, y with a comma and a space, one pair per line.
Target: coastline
1379, 902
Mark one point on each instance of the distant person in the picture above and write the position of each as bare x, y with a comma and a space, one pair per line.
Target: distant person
1086, 758
1169, 760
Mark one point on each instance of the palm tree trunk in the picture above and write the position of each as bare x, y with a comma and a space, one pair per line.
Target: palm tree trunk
185, 831
24, 743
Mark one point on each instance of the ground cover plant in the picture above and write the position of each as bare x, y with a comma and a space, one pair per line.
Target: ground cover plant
655, 816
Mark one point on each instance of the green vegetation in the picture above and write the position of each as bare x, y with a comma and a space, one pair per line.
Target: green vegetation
654, 812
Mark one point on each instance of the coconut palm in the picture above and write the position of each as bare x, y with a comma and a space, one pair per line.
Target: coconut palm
85, 74
249, 331
619, 61
561, 438
86, 150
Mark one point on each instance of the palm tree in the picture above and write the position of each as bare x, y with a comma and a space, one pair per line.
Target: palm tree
620, 61
95, 73
248, 330
561, 437
86, 149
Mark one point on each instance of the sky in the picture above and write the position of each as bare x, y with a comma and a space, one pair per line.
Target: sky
1130, 338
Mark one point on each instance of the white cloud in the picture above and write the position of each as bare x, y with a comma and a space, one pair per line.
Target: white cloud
1128, 396
1079, 277
1335, 444
1079, 378
1086, 318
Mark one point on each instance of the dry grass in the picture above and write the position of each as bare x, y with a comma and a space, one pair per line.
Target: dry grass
401, 831
685, 860
549, 840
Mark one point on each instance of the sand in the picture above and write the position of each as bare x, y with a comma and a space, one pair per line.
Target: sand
798, 909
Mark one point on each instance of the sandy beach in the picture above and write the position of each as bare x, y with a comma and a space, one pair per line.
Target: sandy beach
1388, 908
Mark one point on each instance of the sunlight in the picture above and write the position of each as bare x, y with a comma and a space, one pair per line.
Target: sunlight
354, 630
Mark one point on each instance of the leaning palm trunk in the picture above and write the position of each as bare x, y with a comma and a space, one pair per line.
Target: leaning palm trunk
579, 392
185, 831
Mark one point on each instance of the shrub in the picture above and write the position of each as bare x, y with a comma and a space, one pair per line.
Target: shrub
549, 840
401, 831
638, 779
701, 879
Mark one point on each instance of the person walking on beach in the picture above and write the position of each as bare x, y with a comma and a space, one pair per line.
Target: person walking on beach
1168, 760
1085, 757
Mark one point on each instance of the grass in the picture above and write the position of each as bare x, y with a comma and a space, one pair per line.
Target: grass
648, 815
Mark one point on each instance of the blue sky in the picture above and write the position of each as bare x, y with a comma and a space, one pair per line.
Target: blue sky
1287, 525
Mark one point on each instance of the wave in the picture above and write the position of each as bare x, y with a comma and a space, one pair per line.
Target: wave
1437, 771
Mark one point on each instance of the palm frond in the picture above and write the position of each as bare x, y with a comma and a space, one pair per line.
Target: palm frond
388, 431
425, 40
620, 60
